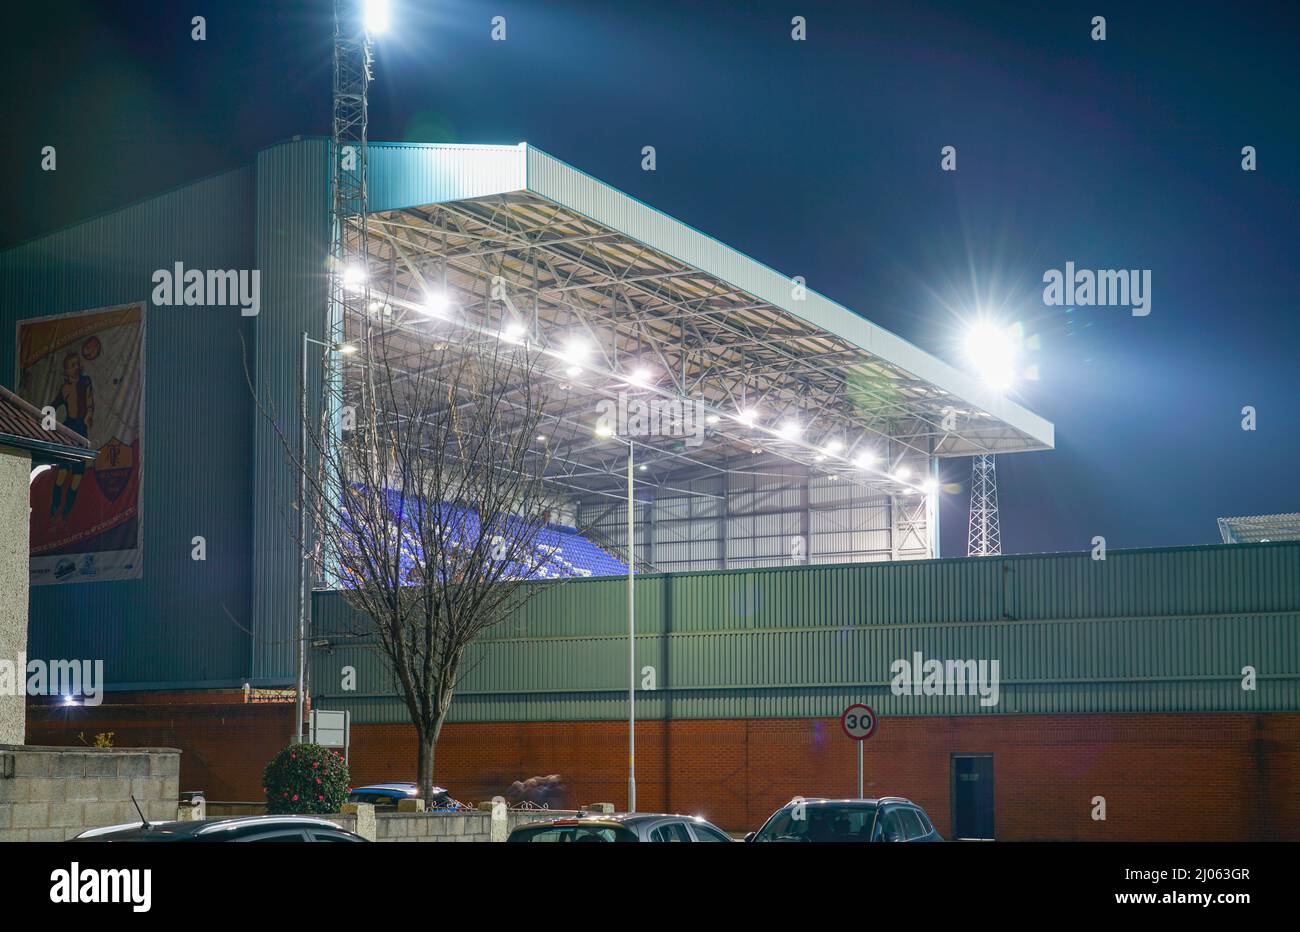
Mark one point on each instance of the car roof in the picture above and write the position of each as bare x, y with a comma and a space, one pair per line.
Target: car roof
614, 819
202, 827
826, 801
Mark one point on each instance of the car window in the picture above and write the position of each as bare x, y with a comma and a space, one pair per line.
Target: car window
670, 831
891, 829
911, 824
327, 835
820, 824
925, 821
566, 834
294, 834
708, 833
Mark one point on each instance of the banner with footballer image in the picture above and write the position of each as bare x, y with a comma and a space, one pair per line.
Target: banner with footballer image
87, 370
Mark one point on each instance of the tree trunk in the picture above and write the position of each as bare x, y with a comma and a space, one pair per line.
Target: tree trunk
428, 738
428, 742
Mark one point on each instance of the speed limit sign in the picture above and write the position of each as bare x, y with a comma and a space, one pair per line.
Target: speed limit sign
858, 722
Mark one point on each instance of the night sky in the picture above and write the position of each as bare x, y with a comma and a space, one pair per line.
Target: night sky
821, 159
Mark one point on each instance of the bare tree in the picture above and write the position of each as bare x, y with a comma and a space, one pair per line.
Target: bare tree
431, 478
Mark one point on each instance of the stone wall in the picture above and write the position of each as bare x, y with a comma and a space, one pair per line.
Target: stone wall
52, 793
15, 468
444, 826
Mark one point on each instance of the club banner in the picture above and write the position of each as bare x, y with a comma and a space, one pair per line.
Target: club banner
86, 370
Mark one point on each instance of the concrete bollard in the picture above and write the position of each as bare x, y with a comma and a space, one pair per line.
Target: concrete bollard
410, 804
500, 824
193, 811
365, 813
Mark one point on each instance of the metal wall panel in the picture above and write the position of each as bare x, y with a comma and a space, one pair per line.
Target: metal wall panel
293, 227
1153, 630
170, 628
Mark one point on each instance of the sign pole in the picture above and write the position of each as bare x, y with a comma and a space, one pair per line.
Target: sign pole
859, 723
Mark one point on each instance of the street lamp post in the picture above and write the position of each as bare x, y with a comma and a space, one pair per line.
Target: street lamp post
631, 638
304, 576
631, 618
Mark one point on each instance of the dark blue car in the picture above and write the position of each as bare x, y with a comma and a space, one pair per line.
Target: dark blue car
388, 795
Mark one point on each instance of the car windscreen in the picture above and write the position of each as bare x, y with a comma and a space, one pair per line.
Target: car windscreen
819, 823
572, 833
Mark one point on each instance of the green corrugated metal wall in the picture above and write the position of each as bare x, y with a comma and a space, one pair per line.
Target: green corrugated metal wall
171, 626
1143, 631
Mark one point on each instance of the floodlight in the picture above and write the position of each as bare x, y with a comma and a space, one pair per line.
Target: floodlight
991, 351
437, 304
902, 474
376, 14
354, 278
864, 460
576, 350
790, 429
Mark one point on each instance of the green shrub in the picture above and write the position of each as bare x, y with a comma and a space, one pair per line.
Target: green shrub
306, 778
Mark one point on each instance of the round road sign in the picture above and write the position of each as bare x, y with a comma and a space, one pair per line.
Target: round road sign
859, 722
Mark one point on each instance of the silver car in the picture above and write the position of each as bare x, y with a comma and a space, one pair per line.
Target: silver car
635, 826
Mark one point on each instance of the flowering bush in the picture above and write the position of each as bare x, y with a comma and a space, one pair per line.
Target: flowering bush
306, 778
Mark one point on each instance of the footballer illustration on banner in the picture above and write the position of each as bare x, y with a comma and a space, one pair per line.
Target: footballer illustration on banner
85, 370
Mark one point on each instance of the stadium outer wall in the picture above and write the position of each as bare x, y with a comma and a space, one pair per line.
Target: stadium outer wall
1165, 777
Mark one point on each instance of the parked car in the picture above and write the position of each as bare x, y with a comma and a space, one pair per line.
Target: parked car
290, 828
890, 818
638, 826
385, 796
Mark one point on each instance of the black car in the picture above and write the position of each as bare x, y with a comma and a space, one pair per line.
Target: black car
636, 826
291, 828
890, 818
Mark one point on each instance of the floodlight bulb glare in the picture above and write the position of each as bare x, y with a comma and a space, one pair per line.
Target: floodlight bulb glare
991, 351
354, 278
377, 16
437, 304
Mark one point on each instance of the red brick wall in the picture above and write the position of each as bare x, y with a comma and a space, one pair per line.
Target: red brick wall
224, 748
1207, 777
1210, 777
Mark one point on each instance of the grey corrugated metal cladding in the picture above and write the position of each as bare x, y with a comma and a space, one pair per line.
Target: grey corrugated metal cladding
1142, 631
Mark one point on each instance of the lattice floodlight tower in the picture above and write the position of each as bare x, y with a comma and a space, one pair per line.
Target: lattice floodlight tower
353, 57
985, 538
